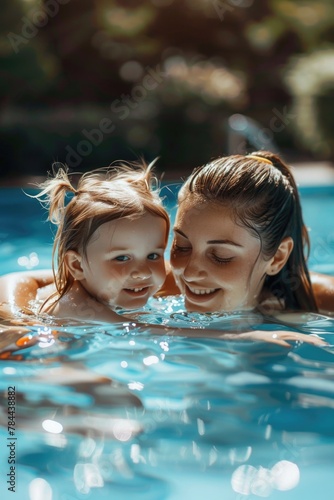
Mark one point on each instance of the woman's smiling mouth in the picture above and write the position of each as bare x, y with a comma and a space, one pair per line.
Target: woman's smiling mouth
200, 294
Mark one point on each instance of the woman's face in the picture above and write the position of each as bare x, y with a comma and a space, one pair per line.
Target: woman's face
217, 263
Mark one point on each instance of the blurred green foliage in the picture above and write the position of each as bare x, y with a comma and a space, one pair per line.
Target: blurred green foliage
167, 74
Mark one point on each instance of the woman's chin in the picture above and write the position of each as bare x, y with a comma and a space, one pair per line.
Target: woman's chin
216, 308
203, 308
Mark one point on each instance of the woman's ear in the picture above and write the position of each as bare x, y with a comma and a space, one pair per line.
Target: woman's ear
73, 262
278, 261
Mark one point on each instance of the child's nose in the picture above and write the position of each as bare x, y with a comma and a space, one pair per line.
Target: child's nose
141, 273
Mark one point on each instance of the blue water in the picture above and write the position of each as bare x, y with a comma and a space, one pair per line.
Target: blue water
106, 413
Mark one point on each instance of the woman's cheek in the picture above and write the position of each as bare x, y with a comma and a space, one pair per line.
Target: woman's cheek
176, 260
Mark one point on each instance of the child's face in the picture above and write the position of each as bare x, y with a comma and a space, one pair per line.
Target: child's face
217, 264
125, 261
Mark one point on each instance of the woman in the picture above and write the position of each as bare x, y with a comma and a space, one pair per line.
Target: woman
239, 239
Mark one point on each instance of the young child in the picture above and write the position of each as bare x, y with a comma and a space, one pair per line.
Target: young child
110, 242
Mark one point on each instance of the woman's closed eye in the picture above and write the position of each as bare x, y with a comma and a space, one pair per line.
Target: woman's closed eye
181, 248
221, 260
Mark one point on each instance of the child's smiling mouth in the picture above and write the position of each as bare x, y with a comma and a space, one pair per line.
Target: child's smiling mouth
136, 291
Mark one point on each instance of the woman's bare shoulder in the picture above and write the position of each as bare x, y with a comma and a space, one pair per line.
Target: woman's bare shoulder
323, 289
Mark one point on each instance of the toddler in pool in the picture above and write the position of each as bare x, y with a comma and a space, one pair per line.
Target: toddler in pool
110, 241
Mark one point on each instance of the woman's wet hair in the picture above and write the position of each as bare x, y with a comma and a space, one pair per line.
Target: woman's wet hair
124, 191
262, 195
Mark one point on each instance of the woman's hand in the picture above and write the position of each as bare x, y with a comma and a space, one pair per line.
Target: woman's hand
14, 338
281, 337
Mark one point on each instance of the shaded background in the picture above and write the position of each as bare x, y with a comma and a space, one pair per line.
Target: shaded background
88, 82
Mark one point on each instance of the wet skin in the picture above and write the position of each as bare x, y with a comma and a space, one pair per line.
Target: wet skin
216, 262
124, 263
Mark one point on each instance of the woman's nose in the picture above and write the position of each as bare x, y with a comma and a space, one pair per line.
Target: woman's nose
193, 271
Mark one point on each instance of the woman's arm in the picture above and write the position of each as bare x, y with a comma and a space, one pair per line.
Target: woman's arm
19, 288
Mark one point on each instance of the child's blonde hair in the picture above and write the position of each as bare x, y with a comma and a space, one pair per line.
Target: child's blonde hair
106, 194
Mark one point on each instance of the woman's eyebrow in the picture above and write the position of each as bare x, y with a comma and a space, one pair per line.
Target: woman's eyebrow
211, 242
224, 242
176, 230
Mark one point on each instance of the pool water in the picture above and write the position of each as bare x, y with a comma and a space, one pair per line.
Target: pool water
110, 412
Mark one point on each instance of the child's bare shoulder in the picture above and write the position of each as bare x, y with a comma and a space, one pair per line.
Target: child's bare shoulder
77, 304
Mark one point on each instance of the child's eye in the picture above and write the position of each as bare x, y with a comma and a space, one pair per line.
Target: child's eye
122, 258
153, 256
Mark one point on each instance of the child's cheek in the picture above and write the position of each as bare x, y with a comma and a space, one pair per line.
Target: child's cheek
160, 274
118, 272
